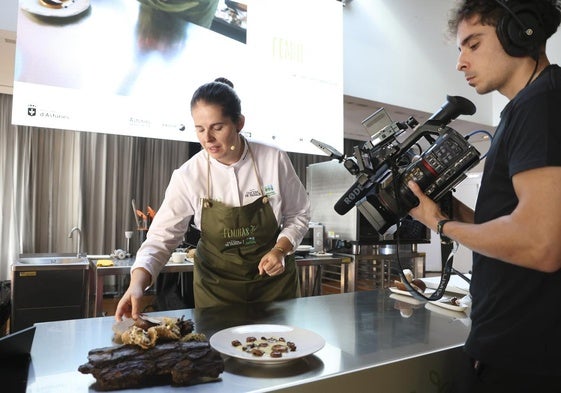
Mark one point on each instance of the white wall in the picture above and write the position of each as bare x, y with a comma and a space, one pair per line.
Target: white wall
8, 15
398, 52
401, 55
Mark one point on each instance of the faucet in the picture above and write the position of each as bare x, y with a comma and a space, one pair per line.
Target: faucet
79, 249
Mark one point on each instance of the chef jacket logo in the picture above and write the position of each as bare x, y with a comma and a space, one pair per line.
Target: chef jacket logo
31, 110
252, 193
269, 190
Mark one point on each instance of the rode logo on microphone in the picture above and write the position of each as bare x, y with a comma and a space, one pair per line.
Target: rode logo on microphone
353, 194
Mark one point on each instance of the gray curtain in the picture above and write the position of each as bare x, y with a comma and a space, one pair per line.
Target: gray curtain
53, 180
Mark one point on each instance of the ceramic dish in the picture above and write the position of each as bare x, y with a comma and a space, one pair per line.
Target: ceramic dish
427, 292
70, 8
444, 311
456, 284
321, 254
304, 248
444, 302
406, 299
307, 342
187, 261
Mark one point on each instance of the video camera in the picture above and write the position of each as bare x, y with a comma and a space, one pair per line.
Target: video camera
435, 156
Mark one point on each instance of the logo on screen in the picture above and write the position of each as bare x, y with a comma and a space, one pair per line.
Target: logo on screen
31, 110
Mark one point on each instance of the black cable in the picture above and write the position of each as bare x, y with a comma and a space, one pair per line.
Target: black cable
537, 59
446, 268
461, 275
480, 132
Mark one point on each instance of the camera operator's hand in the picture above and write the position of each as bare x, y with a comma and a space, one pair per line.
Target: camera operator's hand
427, 212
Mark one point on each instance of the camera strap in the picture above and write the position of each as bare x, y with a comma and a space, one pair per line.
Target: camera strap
444, 279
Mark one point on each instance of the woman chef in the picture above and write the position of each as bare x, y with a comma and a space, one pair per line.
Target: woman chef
240, 193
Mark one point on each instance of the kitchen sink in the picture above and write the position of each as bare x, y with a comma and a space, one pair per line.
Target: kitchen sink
52, 260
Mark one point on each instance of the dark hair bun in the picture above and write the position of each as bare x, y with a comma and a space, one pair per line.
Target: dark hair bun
225, 81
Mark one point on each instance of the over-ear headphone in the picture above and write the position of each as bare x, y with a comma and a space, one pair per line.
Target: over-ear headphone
520, 30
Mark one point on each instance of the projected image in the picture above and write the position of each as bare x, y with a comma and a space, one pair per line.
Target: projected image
230, 19
124, 47
130, 66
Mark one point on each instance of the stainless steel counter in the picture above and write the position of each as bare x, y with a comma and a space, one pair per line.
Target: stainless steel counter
369, 344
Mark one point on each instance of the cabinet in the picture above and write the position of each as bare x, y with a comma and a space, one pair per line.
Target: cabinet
48, 293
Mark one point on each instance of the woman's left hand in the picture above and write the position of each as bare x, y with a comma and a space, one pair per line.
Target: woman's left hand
272, 263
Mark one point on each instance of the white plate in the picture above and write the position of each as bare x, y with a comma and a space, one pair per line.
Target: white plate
321, 254
406, 299
456, 284
187, 261
444, 302
444, 311
307, 342
427, 292
304, 248
72, 7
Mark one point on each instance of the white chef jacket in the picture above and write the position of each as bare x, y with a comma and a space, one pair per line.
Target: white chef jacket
235, 185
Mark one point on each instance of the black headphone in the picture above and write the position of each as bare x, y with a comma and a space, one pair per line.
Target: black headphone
520, 29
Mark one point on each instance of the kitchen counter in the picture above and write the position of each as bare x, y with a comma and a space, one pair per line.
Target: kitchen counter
309, 268
370, 345
122, 267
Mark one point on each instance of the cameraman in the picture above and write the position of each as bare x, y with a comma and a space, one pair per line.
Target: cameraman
515, 232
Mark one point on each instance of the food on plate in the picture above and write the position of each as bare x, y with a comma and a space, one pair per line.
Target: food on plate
55, 3
420, 284
417, 284
408, 274
454, 301
154, 351
265, 346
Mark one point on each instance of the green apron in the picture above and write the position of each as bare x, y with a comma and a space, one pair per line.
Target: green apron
233, 241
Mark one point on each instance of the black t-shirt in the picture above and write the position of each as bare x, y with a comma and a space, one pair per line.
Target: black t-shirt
516, 312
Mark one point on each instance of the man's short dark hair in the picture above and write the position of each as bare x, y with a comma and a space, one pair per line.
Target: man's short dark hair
490, 12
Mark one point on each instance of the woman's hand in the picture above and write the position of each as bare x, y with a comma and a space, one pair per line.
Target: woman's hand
272, 263
129, 305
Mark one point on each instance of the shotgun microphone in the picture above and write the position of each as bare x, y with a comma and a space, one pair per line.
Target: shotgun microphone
354, 194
